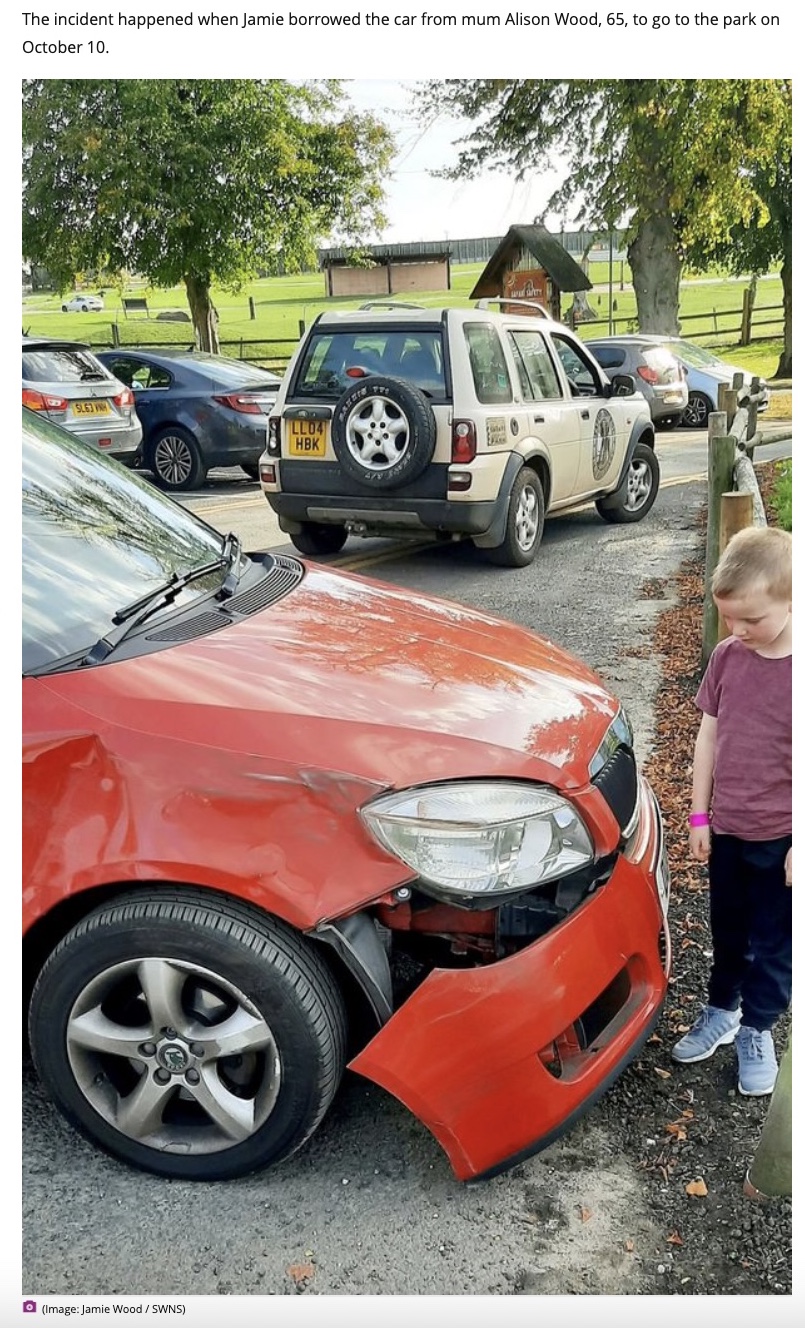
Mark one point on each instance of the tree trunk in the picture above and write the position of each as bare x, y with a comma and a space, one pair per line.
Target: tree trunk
770, 1173
202, 309
784, 367
656, 270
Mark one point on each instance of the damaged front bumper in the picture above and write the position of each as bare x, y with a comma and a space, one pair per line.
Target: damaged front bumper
498, 1060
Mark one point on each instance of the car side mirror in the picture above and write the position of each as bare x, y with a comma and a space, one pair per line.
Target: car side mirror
623, 385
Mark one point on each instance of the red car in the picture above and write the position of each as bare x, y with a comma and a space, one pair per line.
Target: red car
280, 821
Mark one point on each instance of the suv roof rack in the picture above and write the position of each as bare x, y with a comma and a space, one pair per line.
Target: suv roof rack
388, 304
507, 299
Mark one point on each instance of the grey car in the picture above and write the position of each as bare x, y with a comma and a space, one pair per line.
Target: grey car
657, 372
65, 382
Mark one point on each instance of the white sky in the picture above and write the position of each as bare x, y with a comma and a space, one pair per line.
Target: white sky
420, 207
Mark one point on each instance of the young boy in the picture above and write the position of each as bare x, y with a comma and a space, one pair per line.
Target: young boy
740, 820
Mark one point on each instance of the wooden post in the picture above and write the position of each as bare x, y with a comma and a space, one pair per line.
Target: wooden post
770, 1173
736, 513
730, 406
720, 462
746, 318
251, 307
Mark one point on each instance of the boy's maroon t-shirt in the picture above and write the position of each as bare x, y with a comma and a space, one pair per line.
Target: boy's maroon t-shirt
750, 696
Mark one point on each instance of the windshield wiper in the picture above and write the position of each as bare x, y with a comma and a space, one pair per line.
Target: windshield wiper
131, 615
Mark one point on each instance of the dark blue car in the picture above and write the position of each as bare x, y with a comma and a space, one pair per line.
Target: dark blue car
197, 411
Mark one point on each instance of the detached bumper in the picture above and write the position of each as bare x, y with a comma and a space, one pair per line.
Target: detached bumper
498, 1061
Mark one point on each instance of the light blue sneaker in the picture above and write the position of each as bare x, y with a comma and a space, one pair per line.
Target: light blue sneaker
757, 1062
714, 1028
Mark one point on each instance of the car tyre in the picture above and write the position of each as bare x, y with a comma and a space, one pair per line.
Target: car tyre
175, 459
383, 432
317, 537
635, 497
64, 309
695, 414
189, 1034
525, 522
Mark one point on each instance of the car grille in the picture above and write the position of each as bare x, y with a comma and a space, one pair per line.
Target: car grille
617, 783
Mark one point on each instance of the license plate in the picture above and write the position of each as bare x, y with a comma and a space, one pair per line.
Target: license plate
91, 408
307, 438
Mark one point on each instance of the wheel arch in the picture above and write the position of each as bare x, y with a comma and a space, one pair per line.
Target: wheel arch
355, 965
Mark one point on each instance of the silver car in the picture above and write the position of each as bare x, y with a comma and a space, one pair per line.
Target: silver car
704, 372
64, 381
657, 372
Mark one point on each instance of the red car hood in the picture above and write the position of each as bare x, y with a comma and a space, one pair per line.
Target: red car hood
350, 675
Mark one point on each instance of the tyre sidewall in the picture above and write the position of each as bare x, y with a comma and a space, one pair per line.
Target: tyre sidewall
85, 954
197, 471
614, 509
421, 431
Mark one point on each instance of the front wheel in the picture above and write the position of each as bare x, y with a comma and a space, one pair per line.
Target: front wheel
189, 1034
525, 520
635, 498
316, 537
175, 459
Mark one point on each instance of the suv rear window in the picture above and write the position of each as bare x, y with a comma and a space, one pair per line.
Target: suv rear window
58, 364
415, 354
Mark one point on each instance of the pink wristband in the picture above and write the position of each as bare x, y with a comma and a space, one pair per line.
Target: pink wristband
699, 818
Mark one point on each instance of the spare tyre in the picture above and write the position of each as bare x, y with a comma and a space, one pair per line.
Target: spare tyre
383, 432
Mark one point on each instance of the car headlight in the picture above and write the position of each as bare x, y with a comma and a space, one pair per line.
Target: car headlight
619, 734
480, 838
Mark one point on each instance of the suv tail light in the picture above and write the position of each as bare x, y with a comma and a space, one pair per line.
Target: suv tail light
464, 443
124, 399
43, 401
647, 374
273, 444
245, 403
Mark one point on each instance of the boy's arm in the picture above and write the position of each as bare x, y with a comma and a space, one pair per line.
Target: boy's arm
704, 756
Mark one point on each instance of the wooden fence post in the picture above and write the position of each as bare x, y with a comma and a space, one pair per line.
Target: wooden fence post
720, 462
736, 513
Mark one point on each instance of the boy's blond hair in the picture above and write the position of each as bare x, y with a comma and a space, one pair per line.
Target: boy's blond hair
758, 557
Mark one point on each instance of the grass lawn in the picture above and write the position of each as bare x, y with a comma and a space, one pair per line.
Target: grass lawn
281, 304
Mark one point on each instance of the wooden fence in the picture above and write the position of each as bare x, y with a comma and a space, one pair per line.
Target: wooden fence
734, 500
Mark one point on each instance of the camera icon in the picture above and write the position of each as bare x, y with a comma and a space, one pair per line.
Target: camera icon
29, 1307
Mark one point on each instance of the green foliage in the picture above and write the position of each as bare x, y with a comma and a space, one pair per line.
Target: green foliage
677, 162
633, 147
194, 180
781, 496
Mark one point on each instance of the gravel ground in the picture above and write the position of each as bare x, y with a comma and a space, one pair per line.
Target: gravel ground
689, 1125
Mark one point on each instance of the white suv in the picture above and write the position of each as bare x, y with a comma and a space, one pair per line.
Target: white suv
399, 421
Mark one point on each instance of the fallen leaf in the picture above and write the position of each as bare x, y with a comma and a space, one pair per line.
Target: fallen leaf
300, 1272
678, 1131
696, 1187
674, 1239
664, 1074
585, 1214
628, 1245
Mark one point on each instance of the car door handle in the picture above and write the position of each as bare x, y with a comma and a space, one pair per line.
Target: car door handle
539, 419
585, 414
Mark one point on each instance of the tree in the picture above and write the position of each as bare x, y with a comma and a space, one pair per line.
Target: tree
673, 160
195, 180
767, 237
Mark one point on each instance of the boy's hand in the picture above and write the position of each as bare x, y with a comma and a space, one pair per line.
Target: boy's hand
788, 867
700, 842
